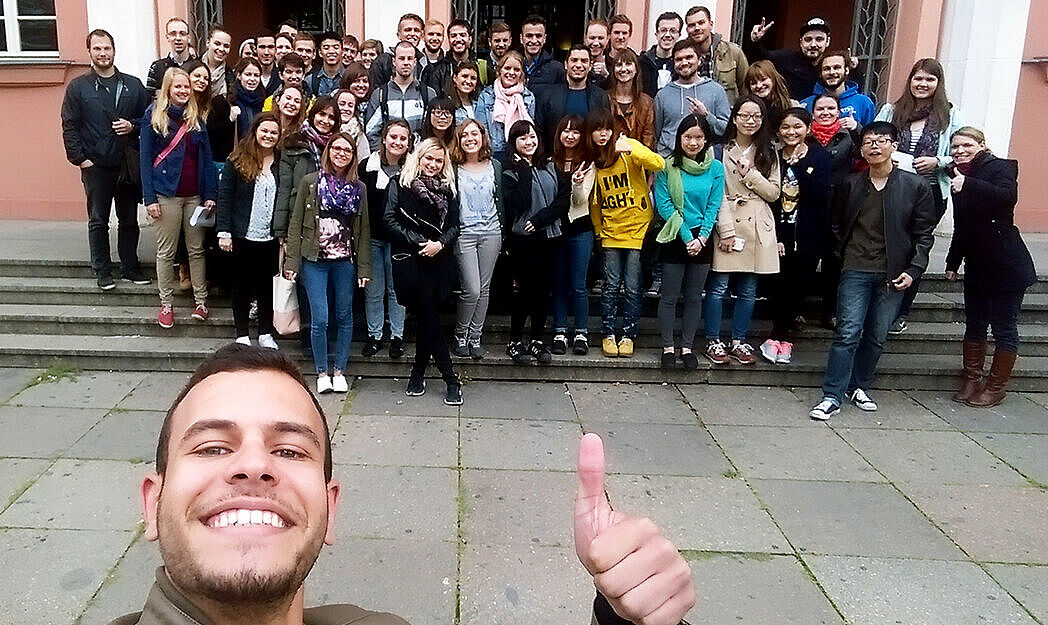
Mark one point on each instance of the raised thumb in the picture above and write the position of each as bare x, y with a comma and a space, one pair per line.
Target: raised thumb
590, 497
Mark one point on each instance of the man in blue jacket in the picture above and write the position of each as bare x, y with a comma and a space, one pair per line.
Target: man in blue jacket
833, 78
100, 117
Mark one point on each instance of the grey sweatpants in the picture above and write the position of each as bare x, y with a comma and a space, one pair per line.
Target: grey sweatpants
476, 253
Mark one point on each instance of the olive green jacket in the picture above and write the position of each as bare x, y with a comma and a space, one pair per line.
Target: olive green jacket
302, 229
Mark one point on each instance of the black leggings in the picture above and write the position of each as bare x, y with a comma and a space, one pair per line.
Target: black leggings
430, 286
254, 265
999, 311
692, 276
532, 262
791, 285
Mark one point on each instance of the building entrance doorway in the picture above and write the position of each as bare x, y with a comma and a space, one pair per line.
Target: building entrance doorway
244, 18
566, 21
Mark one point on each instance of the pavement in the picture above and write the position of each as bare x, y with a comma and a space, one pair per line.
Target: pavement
923, 513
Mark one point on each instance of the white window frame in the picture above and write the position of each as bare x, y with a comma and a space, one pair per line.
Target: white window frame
11, 20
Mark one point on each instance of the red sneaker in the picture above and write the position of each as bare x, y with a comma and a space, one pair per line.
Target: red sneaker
200, 312
166, 316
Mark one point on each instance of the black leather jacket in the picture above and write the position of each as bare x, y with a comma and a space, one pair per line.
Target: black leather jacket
409, 221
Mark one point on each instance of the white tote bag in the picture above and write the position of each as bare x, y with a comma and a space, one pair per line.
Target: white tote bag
285, 303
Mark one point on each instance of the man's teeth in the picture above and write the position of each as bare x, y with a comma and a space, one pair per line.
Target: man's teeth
246, 517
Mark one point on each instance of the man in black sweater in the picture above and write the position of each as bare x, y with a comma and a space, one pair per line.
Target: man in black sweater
798, 67
177, 32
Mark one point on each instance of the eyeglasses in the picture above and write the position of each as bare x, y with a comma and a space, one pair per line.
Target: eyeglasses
340, 150
749, 117
442, 114
881, 143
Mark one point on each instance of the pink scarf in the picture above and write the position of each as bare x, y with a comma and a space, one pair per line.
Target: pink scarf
509, 105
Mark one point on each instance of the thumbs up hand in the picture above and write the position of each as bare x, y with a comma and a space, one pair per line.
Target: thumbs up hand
633, 565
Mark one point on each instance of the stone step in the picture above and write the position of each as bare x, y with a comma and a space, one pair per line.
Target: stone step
124, 321
896, 371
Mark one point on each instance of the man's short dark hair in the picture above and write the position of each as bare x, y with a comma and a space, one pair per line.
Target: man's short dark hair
620, 18
328, 35
670, 15
578, 47
499, 27
291, 23
404, 43
699, 9
303, 35
236, 357
682, 44
264, 33
351, 40
99, 32
843, 53
291, 59
880, 128
534, 20
460, 23
414, 17
289, 38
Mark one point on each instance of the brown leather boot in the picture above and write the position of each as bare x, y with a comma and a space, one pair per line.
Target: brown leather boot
1000, 371
974, 355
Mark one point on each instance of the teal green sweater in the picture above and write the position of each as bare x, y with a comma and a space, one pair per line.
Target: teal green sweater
702, 199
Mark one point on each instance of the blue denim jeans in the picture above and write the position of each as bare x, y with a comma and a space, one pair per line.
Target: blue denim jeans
378, 289
866, 307
713, 307
341, 275
569, 282
621, 267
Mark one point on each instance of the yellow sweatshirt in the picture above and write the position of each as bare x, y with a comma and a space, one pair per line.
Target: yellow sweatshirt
620, 206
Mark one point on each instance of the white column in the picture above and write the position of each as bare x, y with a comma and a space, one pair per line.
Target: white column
380, 18
133, 26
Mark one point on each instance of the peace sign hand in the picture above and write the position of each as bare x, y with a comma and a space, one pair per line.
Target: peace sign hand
759, 30
633, 565
580, 174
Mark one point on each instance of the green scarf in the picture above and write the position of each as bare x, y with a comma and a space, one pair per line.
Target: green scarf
676, 187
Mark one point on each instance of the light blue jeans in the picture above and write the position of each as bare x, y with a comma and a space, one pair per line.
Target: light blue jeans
745, 295
316, 277
378, 289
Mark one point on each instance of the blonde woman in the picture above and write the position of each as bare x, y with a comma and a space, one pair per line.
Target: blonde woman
506, 101
178, 173
422, 222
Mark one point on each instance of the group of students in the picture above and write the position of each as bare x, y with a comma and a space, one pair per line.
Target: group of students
412, 171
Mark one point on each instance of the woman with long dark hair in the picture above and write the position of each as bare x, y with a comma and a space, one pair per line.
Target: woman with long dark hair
329, 249
481, 230
422, 221
688, 195
300, 155
745, 241
351, 125
291, 111
356, 80
534, 203
178, 175
378, 173
464, 89
575, 246
440, 121
248, 94
801, 215
247, 193
634, 110
926, 120
621, 212
997, 265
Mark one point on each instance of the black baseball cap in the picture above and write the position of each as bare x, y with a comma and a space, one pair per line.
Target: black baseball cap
816, 23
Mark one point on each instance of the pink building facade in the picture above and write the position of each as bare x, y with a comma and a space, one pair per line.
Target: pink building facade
995, 54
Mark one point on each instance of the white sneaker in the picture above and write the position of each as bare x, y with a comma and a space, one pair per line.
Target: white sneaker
243, 340
267, 341
862, 400
339, 384
323, 383
824, 409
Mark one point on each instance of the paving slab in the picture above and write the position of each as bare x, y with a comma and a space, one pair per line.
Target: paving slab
401, 441
80, 494
414, 579
126, 587
792, 453
80, 390
992, 524
1028, 453
48, 576
517, 400
852, 518
895, 410
630, 403
121, 435
1015, 414
34, 432
700, 513
16, 475
1041, 399
659, 449
757, 588
372, 396
397, 502
523, 585
763, 405
517, 507
157, 391
14, 379
874, 591
1028, 584
519, 444
932, 457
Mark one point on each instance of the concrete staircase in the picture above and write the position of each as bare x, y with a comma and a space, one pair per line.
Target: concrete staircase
51, 312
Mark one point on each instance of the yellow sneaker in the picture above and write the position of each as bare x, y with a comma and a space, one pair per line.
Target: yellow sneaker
626, 347
611, 350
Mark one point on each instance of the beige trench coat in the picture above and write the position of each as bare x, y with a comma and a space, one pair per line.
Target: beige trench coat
745, 213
